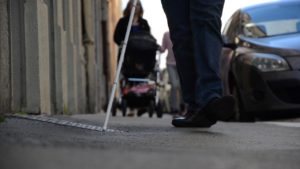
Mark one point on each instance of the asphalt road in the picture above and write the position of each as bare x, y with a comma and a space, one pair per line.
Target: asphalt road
144, 143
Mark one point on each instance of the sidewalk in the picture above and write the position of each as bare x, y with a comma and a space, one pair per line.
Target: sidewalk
146, 143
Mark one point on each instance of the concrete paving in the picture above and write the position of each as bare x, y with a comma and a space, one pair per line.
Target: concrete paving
146, 143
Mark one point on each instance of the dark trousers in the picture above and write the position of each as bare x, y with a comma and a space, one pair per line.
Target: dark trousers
195, 32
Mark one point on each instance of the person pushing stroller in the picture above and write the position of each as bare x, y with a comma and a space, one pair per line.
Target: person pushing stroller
139, 23
139, 63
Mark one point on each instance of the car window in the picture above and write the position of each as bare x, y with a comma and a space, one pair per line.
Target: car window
271, 20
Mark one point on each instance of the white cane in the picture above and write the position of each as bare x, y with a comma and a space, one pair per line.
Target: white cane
121, 60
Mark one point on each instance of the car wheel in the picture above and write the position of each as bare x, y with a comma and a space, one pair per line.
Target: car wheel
240, 113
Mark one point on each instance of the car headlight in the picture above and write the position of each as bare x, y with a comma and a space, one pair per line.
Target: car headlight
266, 62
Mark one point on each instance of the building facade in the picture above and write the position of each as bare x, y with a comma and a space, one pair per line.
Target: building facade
56, 56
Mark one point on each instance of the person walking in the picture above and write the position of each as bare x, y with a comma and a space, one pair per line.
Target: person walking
139, 23
195, 32
175, 95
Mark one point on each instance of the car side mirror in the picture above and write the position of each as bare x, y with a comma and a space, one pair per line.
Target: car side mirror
227, 43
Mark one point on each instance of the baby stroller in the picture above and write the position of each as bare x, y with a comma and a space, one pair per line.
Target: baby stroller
139, 84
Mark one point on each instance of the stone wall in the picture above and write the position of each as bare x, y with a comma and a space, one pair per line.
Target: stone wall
55, 55
114, 14
5, 83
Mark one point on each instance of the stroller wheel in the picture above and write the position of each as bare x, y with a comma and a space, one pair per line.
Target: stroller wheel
124, 108
159, 110
141, 112
151, 108
114, 108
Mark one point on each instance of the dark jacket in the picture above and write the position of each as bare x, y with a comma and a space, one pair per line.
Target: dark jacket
121, 27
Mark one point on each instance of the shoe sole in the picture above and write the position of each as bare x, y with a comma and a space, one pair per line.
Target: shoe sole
180, 123
191, 125
224, 108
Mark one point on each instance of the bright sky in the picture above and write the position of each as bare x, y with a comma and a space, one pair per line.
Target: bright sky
154, 14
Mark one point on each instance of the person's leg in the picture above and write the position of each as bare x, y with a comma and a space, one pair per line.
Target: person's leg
205, 18
174, 81
178, 14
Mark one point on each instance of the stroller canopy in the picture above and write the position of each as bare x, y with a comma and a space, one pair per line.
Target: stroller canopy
140, 57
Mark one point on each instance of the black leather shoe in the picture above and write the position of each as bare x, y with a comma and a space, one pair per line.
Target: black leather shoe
221, 108
193, 119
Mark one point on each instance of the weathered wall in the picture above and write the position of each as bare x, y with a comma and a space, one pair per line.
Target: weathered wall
114, 14
37, 57
5, 83
55, 55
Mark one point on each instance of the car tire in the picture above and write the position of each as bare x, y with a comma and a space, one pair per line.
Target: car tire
240, 113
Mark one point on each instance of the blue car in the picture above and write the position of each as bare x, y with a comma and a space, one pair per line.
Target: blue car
260, 61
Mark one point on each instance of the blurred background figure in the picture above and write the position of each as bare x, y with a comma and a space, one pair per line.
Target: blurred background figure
139, 57
176, 103
139, 23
